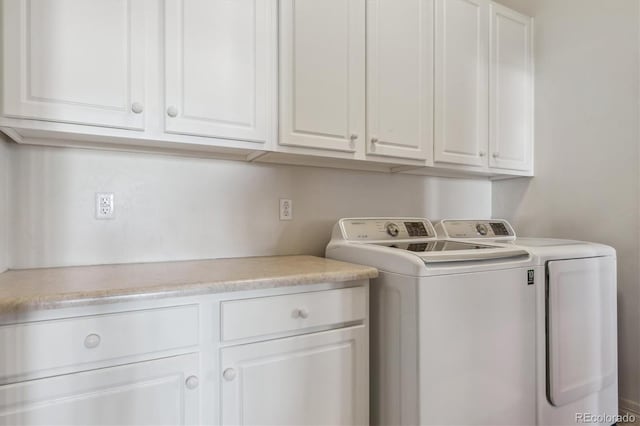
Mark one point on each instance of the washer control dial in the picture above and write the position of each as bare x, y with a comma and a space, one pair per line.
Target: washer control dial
392, 229
482, 229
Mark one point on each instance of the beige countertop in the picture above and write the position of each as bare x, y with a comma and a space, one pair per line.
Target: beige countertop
29, 289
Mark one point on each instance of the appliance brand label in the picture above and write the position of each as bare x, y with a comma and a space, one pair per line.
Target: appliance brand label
530, 277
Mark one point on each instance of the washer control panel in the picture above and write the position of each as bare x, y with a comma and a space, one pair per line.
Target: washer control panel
495, 229
382, 229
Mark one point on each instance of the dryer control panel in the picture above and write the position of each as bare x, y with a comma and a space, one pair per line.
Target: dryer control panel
494, 229
386, 229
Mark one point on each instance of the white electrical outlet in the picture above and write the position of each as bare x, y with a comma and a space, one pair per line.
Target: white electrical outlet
286, 209
105, 209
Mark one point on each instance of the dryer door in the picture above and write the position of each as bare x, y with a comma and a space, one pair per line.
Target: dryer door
581, 327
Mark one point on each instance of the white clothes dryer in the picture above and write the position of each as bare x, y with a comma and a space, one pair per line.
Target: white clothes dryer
576, 321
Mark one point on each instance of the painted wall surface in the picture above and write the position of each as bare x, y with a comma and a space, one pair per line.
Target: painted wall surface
586, 156
4, 204
170, 208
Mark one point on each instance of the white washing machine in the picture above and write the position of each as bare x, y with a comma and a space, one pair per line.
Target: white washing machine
576, 318
452, 323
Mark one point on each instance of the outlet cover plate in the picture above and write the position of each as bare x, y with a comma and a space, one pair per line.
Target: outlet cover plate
105, 208
286, 209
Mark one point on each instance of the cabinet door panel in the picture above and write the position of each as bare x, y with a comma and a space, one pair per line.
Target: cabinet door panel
400, 78
316, 379
511, 90
148, 393
219, 67
75, 61
461, 105
322, 60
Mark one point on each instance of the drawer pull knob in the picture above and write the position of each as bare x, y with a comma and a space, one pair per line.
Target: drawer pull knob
137, 108
172, 111
229, 374
192, 382
92, 341
301, 313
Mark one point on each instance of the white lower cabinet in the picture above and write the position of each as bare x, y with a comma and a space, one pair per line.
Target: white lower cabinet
194, 360
156, 392
314, 379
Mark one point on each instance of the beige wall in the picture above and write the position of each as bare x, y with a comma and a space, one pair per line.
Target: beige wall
587, 120
171, 208
4, 204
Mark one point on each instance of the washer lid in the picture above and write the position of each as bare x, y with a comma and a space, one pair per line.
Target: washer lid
457, 251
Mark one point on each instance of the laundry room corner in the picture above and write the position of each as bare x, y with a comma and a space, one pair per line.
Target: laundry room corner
586, 153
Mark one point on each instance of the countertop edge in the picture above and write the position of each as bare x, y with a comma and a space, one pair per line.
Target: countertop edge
101, 297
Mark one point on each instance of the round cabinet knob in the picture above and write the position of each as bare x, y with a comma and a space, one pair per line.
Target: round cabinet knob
229, 374
172, 111
482, 153
92, 341
392, 229
482, 229
301, 313
496, 154
192, 382
137, 108
352, 140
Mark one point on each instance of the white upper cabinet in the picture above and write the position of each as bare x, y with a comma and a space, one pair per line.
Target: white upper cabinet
461, 88
322, 74
74, 61
443, 83
400, 37
511, 94
220, 68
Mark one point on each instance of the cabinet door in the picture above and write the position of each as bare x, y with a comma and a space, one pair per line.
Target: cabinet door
74, 61
461, 101
315, 379
220, 63
322, 74
511, 90
148, 393
400, 78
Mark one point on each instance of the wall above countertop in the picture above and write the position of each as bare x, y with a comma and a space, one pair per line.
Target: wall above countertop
177, 208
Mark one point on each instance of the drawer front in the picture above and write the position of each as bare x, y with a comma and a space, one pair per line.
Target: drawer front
34, 347
278, 314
